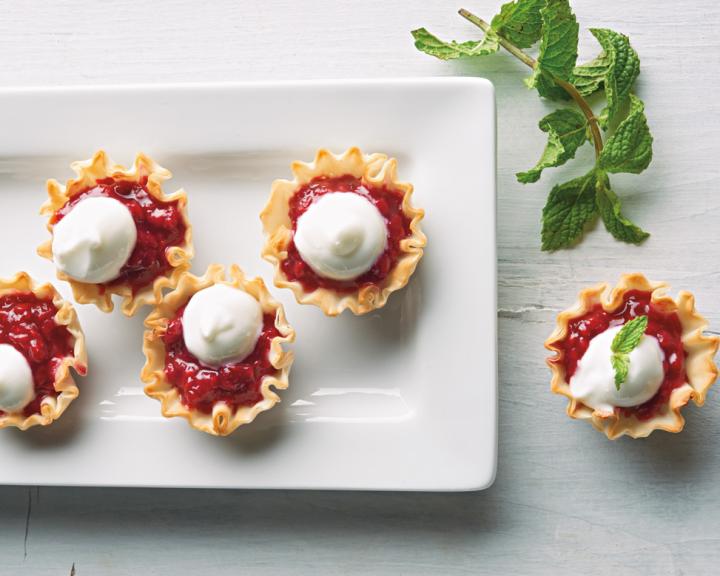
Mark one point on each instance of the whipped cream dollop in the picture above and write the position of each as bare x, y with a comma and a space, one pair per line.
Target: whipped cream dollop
94, 240
221, 324
594, 380
16, 380
341, 235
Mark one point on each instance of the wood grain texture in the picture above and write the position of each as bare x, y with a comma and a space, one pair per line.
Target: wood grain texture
566, 500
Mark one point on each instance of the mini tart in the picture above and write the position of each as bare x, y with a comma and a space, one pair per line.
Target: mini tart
51, 349
138, 283
685, 378
270, 363
378, 174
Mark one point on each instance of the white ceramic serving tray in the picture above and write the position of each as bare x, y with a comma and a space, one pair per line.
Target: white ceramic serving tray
401, 399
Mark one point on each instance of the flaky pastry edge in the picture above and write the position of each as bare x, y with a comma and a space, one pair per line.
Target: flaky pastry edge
222, 421
700, 366
50, 408
375, 169
88, 172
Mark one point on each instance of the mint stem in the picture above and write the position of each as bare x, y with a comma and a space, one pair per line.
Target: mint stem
532, 63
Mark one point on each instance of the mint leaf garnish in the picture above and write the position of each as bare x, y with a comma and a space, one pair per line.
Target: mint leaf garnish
621, 365
627, 145
629, 149
520, 22
623, 67
546, 87
610, 211
569, 209
558, 48
588, 78
629, 336
625, 342
449, 50
567, 131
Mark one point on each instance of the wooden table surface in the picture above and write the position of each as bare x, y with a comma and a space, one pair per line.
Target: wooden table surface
566, 500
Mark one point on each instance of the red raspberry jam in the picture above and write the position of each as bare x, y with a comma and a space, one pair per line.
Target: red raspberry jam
386, 200
28, 323
159, 226
236, 384
663, 325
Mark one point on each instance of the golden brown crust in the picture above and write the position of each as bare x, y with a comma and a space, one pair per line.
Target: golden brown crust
375, 169
699, 364
223, 420
88, 173
50, 408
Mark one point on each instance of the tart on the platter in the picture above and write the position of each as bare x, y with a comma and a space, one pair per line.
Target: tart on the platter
343, 233
114, 231
628, 359
214, 350
40, 340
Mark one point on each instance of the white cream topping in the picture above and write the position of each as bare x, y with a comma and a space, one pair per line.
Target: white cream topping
341, 235
16, 380
94, 240
221, 324
594, 380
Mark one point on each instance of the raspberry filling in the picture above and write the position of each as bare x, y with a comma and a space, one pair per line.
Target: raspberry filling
236, 384
663, 325
386, 200
159, 226
28, 324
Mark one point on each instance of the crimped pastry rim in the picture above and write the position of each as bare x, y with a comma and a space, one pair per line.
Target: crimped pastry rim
223, 420
700, 366
87, 173
50, 408
375, 169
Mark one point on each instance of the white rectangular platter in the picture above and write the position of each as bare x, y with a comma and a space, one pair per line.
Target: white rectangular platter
400, 399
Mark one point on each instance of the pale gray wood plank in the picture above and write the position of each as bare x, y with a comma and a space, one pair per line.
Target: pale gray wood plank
566, 500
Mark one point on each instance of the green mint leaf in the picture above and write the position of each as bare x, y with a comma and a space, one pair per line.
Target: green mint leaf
558, 48
588, 78
546, 87
520, 22
621, 366
610, 211
569, 209
625, 342
566, 130
426, 42
629, 336
623, 67
629, 149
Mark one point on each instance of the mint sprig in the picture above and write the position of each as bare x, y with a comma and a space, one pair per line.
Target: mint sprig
625, 342
619, 134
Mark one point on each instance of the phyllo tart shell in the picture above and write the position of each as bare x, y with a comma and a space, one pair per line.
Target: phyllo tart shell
223, 419
50, 407
700, 349
373, 170
88, 173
